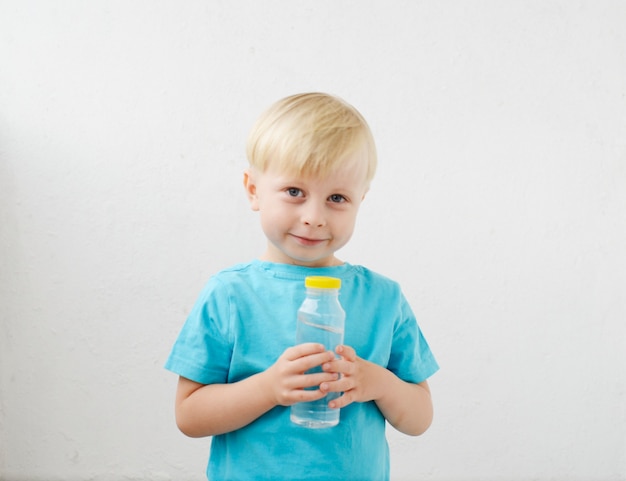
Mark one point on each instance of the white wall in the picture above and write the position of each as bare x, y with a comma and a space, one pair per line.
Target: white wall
499, 205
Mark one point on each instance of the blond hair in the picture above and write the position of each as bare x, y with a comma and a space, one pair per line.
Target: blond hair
310, 133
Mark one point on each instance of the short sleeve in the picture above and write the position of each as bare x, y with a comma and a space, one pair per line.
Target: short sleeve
203, 349
411, 358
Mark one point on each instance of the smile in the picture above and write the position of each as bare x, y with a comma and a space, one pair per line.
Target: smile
305, 241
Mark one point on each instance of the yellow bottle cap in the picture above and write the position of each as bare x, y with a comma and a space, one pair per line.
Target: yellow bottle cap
321, 282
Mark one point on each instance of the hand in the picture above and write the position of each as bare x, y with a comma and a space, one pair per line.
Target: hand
353, 381
286, 378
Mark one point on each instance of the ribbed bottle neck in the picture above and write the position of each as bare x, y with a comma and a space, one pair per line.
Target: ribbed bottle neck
321, 292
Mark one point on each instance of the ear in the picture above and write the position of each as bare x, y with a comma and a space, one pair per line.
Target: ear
250, 186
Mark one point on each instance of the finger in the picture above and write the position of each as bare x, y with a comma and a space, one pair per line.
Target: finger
311, 361
342, 384
346, 352
307, 396
295, 352
341, 401
302, 395
314, 380
340, 366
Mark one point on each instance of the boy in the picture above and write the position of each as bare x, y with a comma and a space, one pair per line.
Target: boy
312, 158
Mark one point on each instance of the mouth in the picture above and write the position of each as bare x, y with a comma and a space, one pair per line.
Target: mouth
306, 241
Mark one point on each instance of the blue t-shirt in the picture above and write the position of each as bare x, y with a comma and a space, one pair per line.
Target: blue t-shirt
243, 321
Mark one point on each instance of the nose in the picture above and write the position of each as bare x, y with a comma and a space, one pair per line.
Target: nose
313, 215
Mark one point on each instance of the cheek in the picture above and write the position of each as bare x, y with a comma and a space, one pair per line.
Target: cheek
272, 218
346, 224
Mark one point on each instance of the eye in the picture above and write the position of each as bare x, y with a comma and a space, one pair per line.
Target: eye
293, 192
337, 198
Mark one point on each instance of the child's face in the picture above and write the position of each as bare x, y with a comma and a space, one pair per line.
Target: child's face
307, 219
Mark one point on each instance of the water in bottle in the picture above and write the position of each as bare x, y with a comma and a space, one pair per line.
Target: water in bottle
320, 319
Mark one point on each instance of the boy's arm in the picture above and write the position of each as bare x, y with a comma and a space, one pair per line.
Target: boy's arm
406, 406
208, 410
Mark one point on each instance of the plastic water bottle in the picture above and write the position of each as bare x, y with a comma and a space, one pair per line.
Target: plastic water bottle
320, 319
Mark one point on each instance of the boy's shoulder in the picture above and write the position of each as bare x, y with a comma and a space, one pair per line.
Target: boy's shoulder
235, 268
375, 280
372, 274
235, 271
